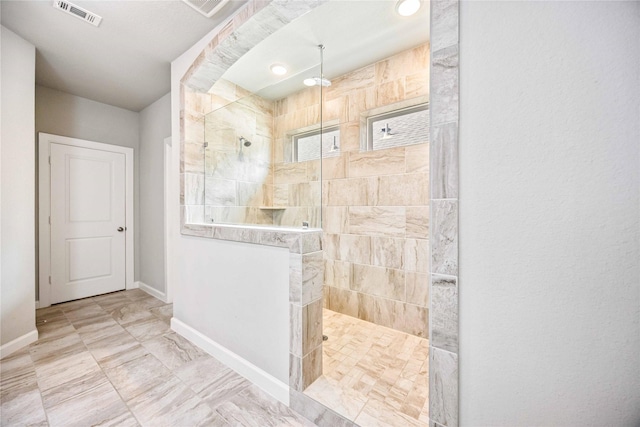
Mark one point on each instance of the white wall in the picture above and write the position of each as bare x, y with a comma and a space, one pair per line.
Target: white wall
550, 213
17, 193
218, 287
155, 126
237, 295
61, 113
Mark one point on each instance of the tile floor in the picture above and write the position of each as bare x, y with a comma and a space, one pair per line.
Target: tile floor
112, 360
373, 375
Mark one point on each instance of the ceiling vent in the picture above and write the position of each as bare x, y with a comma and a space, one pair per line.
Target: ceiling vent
207, 7
78, 12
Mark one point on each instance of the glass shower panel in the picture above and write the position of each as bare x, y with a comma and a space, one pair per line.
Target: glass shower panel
238, 173
251, 173
297, 158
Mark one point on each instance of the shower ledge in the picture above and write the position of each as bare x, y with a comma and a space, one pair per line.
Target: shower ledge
306, 279
297, 240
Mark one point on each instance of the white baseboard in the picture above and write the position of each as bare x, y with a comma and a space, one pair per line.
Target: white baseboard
132, 285
262, 379
152, 291
18, 343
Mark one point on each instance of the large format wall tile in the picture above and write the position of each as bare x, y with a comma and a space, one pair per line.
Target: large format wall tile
220, 192
444, 110
192, 189
417, 288
354, 248
417, 158
377, 221
396, 67
349, 192
335, 219
399, 315
337, 273
389, 252
444, 85
342, 300
444, 312
444, 161
311, 326
347, 83
312, 277
384, 282
443, 387
444, 24
375, 163
192, 158
403, 190
417, 255
444, 237
418, 222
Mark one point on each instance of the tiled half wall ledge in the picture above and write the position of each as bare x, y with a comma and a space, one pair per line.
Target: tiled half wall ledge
306, 279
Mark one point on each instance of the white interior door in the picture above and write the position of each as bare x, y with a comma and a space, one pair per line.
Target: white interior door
88, 232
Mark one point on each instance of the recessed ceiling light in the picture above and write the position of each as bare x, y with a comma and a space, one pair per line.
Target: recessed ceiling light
407, 7
309, 82
278, 69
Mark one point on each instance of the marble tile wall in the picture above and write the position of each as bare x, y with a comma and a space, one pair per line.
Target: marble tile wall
232, 182
443, 336
296, 185
375, 203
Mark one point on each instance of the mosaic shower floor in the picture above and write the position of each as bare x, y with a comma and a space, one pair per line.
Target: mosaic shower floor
373, 375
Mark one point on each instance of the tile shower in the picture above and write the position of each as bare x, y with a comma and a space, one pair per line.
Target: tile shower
373, 206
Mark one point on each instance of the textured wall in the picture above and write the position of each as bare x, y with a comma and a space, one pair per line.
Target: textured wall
550, 213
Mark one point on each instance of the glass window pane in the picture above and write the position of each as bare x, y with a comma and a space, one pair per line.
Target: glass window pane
405, 127
308, 144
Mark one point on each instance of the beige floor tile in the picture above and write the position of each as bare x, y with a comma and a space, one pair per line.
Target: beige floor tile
87, 369
88, 400
173, 350
138, 376
144, 330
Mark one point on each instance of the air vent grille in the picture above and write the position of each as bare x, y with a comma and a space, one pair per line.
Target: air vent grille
207, 7
78, 12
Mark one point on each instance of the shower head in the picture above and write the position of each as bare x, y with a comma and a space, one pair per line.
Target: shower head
316, 81
245, 141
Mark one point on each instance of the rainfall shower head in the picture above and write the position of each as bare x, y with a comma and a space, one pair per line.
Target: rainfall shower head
245, 141
316, 81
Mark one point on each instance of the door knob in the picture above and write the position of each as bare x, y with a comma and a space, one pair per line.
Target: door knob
120, 229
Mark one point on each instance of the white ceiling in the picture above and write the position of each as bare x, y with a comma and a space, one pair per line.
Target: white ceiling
125, 61
354, 33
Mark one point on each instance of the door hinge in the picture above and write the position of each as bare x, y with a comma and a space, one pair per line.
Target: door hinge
49, 279
49, 159
49, 220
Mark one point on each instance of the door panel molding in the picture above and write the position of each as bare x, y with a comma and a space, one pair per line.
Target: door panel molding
44, 205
